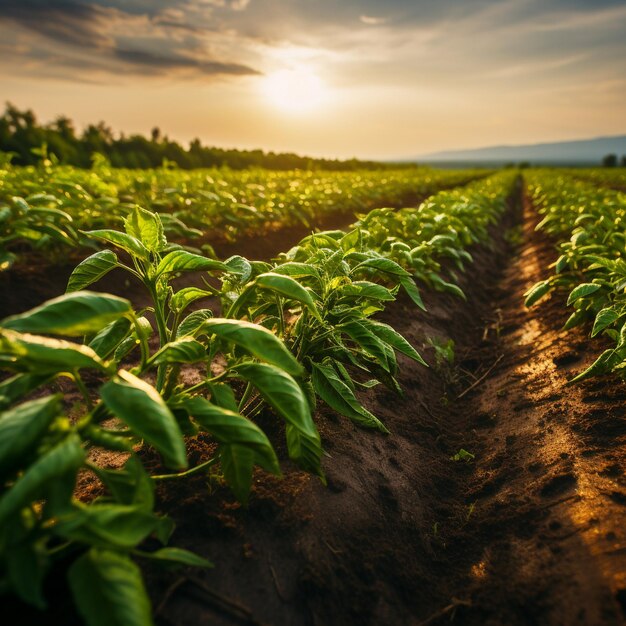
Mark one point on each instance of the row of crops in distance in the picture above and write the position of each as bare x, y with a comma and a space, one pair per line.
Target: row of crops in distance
47, 207
613, 177
291, 333
590, 225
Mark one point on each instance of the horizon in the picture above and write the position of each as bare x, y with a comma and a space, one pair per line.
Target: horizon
383, 82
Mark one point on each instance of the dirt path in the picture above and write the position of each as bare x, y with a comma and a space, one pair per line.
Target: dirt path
547, 541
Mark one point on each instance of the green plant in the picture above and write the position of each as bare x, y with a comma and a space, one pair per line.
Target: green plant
220, 204
43, 451
589, 224
444, 351
463, 455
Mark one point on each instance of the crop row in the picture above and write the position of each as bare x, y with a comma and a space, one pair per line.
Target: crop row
612, 177
590, 225
289, 334
47, 207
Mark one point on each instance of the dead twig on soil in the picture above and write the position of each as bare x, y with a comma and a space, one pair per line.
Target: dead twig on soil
169, 592
333, 550
235, 610
467, 372
279, 591
425, 407
453, 606
480, 380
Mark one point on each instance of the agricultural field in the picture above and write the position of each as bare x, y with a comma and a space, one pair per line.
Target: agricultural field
367, 397
46, 207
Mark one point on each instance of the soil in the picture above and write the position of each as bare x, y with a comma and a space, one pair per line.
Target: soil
529, 529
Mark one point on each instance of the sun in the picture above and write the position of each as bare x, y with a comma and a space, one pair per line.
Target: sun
295, 91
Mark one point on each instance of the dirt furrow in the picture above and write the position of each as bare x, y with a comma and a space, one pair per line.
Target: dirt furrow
547, 490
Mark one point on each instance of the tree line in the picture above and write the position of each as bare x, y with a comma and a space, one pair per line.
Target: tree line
29, 142
611, 160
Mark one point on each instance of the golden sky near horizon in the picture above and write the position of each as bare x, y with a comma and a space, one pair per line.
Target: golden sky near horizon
353, 78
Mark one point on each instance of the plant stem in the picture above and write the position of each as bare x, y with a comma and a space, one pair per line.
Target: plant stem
246, 395
83, 389
172, 379
189, 472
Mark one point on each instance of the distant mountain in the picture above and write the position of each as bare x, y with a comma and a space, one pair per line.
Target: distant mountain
581, 151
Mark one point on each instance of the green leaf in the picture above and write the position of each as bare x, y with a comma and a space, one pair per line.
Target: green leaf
185, 350
228, 427
381, 264
183, 298
58, 463
365, 289
125, 348
575, 319
394, 339
369, 343
561, 264
177, 555
72, 314
340, 397
193, 322
413, 292
238, 265
43, 355
256, 340
140, 406
146, 226
287, 287
108, 590
604, 319
237, 465
109, 438
582, 291
283, 393
183, 261
126, 242
26, 567
110, 337
22, 427
297, 270
92, 269
306, 451
16, 387
602, 365
130, 485
114, 526
537, 292
442, 285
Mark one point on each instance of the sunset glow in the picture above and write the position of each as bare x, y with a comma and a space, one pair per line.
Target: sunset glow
355, 78
295, 91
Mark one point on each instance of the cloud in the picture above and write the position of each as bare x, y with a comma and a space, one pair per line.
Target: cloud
447, 42
372, 21
145, 59
65, 21
166, 42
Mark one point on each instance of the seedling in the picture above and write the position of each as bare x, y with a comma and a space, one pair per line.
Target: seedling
463, 455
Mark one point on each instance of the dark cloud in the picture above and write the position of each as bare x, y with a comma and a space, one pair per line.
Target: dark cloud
67, 22
146, 59
94, 30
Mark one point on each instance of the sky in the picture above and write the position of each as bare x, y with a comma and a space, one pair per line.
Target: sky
341, 78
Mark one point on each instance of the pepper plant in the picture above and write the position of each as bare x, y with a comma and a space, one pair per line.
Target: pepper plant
588, 224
